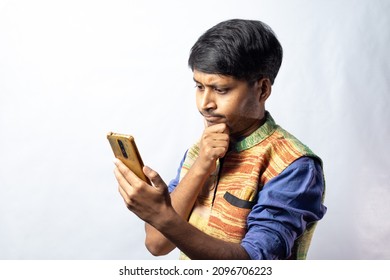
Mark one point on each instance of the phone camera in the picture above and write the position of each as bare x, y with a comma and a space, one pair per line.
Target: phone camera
122, 148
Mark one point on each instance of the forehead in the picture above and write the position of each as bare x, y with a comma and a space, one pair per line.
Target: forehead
213, 79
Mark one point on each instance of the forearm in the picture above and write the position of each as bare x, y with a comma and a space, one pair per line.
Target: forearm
197, 244
213, 145
156, 243
185, 194
182, 198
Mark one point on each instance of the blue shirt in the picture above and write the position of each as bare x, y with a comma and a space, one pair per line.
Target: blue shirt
285, 206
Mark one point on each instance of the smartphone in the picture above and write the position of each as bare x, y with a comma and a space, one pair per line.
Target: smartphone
124, 148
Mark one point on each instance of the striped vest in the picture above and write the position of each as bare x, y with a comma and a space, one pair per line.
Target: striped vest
223, 204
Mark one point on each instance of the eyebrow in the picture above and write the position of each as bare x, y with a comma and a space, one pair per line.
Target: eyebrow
213, 85
196, 80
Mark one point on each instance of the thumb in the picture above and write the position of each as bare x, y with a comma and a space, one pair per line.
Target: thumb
154, 177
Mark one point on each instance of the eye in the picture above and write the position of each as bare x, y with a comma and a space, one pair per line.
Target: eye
199, 87
221, 90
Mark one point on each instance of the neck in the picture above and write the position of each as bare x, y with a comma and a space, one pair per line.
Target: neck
239, 135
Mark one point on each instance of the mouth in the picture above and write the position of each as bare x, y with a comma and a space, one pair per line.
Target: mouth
213, 119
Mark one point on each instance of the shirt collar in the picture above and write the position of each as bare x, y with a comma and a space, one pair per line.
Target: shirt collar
257, 136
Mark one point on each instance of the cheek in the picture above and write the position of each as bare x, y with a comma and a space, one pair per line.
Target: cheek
244, 108
246, 112
234, 112
197, 101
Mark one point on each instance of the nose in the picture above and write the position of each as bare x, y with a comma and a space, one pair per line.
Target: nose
207, 100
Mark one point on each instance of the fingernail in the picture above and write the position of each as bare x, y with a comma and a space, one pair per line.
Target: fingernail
147, 168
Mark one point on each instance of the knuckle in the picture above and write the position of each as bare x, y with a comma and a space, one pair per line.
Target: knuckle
125, 172
137, 184
153, 175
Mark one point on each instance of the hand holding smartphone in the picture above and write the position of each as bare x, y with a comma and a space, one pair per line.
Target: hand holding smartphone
125, 149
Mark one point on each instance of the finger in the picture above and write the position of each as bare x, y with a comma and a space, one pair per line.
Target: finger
122, 182
215, 145
127, 174
124, 195
221, 140
119, 176
121, 166
218, 128
215, 134
220, 137
210, 135
154, 177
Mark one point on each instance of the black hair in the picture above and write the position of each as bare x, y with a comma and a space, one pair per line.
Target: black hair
244, 49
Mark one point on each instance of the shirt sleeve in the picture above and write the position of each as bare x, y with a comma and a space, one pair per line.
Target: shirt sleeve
174, 182
285, 206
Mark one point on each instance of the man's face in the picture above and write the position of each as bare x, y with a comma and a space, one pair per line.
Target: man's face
224, 99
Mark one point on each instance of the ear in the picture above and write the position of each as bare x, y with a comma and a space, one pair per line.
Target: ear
264, 88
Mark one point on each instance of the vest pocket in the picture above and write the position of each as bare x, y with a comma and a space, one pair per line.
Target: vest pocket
238, 202
228, 219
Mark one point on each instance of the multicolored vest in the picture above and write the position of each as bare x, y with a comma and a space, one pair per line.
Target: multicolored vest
228, 196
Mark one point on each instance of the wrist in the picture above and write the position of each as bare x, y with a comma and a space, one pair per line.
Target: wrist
203, 167
167, 220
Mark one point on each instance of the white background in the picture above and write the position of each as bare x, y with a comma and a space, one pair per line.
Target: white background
70, 71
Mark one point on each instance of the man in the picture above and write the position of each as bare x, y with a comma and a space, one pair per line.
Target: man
248, 189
